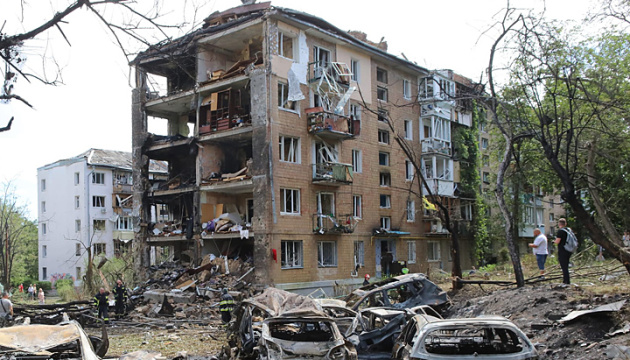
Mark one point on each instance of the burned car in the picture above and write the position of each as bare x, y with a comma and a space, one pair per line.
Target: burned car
347, 320
380, 328
425, 337
302, 335
401, 292
63, 341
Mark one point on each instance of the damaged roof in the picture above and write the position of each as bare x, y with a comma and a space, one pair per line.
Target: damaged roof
109, 158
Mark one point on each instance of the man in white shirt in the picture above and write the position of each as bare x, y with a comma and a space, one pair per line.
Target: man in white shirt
540, 250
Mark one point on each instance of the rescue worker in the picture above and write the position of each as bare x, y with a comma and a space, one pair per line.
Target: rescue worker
367, 280
120, 295
102, 304
226, 306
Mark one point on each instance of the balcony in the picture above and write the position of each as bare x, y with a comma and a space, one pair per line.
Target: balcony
330, 173
330, 224
433, 146
439, 111
330, 126
440, 187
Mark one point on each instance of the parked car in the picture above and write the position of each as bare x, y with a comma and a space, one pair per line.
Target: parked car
426, 337
304, 335
402, 292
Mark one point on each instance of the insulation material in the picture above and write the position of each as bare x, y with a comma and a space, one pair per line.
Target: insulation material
295, 94
300, 66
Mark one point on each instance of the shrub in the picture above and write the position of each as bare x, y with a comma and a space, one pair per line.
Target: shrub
504, 255
65, 290
46, 285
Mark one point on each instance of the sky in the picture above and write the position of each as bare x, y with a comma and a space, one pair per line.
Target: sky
92, 108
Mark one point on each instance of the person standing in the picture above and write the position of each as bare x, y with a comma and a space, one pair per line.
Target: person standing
563, 254
6, 309
120, 295
367, 280
226, 306
21, 289
30, 292
626, 238
41, 296
102, 304
539, 247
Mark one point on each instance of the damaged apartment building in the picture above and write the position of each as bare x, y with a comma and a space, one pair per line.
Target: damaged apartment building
279, 150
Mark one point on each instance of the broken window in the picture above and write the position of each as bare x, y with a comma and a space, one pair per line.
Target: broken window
381, 75
290, 149
98, 178
326, 253
77, 249
408, 130
472, 340
99, 225
321, 57
467, 211
302, 331
484, 143
381, 93
486, 177
290, 201
98, 201
356, 206
382, 114
411, 252
124, 178
409, 170
359, 254
124, 223
285, 42
291, 254
99, 249
386, 223
355, 112
385, 201
121, 247
355, 68
433, 251
407, 89
357, 167
385, 179
485, 160
383, 137
383, 159
411, 211
283, 97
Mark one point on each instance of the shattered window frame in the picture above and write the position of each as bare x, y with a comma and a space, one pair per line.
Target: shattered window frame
385, 179
99, 225
283, 98
359, 252
355, 111
290, 149
99, 248
292, 255
98, 178
434, 252
285, 38
124, 223
408, 130
290, 201
98, 201
411, 211
386, 222
326, 254
409, 171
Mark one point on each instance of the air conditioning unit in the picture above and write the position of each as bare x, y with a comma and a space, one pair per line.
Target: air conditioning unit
103, 210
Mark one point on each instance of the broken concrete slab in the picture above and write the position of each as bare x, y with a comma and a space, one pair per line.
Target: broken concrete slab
616, 306
177, 297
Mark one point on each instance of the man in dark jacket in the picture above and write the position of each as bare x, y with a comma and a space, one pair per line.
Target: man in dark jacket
120, 294
226, 306
563, 255
102, 303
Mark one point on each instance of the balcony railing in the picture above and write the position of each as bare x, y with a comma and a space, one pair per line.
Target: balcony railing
433, 145
328, 125
331, 224
333, 173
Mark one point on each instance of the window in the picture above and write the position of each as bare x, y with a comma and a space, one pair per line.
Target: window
99, 225
43, 206
78, 271
386, 223
383, 159
290, 149
98, 201
124, 223
99, 249
482, 127
326, 253
550, 217
357, 167
411, 211
44, 229
290, 201
408, 130
283, 97
43, 185
411, 252
433, 251
44, 251
383, 136
357, 210
77, 225
485, 160
409, 170
407, 89
385, 179
355, 68
285, 42
381, 75
385, 201
382, 114
359, 254
77, 249
98, 178
355, 111
77, 202
44, 273
467, 211
381, 93
486, 177
484, 143
121, 247
77, 178
291, 254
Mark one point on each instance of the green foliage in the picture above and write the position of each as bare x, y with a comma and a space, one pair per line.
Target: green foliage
65, 289
488, 268
46, 285
504, 255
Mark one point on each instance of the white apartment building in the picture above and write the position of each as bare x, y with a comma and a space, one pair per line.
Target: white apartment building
85, 201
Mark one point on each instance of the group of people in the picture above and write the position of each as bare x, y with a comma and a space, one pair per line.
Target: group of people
101, 301
541, 251
32, 293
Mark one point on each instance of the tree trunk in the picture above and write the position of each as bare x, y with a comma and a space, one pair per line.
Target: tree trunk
456, 271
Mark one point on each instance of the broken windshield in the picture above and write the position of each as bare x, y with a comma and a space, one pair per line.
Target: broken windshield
302, 331
472, 340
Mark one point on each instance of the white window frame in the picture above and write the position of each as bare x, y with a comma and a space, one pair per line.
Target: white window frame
357, 161
467, 211
388, 201
385, 179
77, 178
386, 222
359, 253
382, 94
297, 248
411, 252
295, 201
551, 218
98, 178
98, 201
409, 171
355, 67
408, 130
355, 111
320, 253
294, 155
357, 206
437, 252
281, 37
406, 89
411, 211
383, 137
124, 223
283, 104
386, 158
